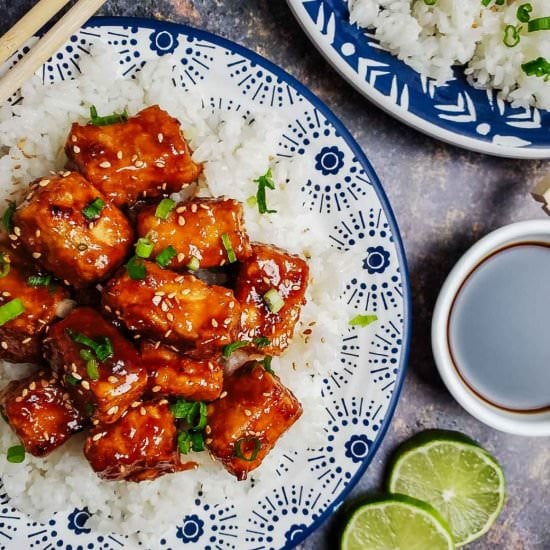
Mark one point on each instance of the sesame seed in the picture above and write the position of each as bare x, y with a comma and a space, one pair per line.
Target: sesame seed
74, 139
164, 307
66, 174
160, 137
155, 389
193, 208
86, 384
179, 279
13, 237
113, 410
139, 164
210, 365
77, 376
134, 158
95, 422
119, 155
159, 164
4, 345
17, 230
247, 412
32, 386
43, 183
231, 304
25, 392
204, 206
76, 149
170, 317
137, 336
6, 294
208, 441
181, 221
214, 323
37, 233
163, 402
44, 384
185, 291
18, 399
172, 295
142, 411
112, 379
105, 164
98, 436
36, 255
180, 209
157, 345
164, 186
157, 300
223, 394
181, 257
107, 308
167, 333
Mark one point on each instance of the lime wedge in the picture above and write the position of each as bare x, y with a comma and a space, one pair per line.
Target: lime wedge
462, 481
396, 523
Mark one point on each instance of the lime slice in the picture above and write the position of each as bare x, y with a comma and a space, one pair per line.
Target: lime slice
462, 481
396, 523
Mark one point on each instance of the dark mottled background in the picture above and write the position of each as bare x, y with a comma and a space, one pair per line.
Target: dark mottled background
444, 199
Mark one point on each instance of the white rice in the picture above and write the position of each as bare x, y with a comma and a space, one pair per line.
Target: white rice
235, 152
433, 39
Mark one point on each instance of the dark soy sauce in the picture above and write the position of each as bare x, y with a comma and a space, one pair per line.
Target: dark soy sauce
499, 328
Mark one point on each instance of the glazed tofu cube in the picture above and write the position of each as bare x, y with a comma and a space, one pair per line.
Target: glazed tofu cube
178, 375
39, 300
177, 309
103, 381
147, 156
139, 446
197, 230
40, 412
68, 227
272, 270
245, 423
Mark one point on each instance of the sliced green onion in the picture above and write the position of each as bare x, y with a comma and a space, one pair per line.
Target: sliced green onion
362, 320
4, 265
102, 349
115, 118
136, 268
273, 300
265, 181
16, 454
511, 36
231, 256
194, 264
11, 310
92, 369
540, 24
165, 256
252, 201
93, 209
8, 215
234, 346
37, 280
193, 412
259, 342
524, 13
266, 362
430, 2
90, 409
497, 2
71, 380
537, 67
184, 442
197, 441
144, 247
105, 349
251, 454
165, 206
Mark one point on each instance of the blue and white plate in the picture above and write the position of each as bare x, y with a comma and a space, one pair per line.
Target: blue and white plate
454, 112
343, 190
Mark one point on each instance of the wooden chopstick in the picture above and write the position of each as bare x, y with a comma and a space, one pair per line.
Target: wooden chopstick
28, 25
47, 46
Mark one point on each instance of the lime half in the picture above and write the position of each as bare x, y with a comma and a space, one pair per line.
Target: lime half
462, 481
396, 523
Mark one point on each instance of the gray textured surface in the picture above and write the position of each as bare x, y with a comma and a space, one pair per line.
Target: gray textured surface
444, 199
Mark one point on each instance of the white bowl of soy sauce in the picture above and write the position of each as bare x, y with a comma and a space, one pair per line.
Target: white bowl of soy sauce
491, 329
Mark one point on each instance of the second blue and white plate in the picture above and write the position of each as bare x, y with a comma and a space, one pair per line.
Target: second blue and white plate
454, 112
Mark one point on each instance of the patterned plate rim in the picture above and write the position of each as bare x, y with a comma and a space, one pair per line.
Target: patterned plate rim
141, 22
389, 106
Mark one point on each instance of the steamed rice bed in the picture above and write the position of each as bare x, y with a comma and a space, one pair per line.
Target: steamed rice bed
433, 39
235, 150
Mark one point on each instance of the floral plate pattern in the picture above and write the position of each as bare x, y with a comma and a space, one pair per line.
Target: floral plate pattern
342, 188
454, 112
